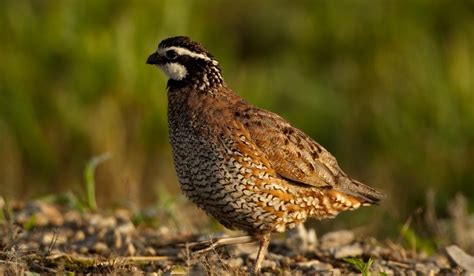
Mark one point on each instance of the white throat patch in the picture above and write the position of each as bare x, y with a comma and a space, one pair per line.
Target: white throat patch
174, 70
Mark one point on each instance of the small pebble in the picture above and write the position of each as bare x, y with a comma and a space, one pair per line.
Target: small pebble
51, 214
269, 264
100, 247
235, 262
90, 230
48, 238
22, 247
337, 238
150, 251
353, 250
315, 264
102, 222
79, 236
72, 217
41, 220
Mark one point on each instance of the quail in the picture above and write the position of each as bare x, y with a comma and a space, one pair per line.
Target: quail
245, 166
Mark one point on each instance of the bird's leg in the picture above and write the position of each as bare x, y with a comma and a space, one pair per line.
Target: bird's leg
213, 244
262, 251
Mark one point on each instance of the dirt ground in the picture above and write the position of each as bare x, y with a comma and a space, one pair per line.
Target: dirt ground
45, 238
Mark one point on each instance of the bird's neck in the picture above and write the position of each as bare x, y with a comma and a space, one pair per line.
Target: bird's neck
206, 80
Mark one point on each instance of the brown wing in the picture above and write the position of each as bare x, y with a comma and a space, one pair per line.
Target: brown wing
297, 157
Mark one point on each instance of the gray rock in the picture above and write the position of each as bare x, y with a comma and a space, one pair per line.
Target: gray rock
335, 239
314, 265
460, 257
269, 264
102, 221
352, 250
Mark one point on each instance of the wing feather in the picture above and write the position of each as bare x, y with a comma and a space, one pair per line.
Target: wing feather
297, 157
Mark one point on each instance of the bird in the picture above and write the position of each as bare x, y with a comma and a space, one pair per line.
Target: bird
247, 167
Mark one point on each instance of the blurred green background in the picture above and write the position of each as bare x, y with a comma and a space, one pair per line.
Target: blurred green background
386, 86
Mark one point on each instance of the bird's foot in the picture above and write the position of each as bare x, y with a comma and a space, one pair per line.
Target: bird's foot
211, 244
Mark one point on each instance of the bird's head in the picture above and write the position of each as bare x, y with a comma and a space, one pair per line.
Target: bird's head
186, 62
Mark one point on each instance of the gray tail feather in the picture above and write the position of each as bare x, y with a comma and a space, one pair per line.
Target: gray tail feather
361, 191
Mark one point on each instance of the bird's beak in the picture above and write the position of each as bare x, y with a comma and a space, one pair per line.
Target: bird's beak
154, 58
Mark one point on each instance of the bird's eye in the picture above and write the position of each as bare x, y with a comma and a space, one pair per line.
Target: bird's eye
171, 54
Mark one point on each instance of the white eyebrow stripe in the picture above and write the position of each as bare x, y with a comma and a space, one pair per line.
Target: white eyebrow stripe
183, 51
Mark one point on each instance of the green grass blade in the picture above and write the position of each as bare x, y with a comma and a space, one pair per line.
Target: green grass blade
90, 181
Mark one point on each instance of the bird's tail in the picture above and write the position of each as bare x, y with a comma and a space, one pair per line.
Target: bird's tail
367, 195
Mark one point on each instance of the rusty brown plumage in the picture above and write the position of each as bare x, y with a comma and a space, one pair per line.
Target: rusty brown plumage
245, 166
